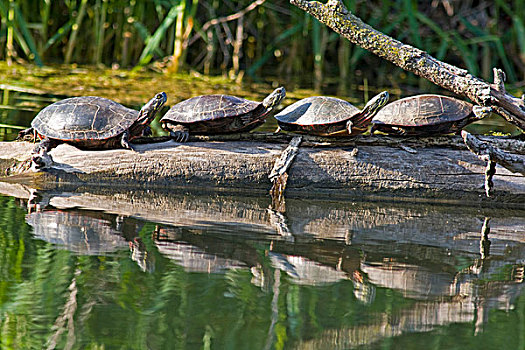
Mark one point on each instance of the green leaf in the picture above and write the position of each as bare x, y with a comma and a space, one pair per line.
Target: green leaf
60, 33
19, 18
145, 35
155, 40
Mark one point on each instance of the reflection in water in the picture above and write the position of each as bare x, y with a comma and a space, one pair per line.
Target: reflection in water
140, 255
76, 232
484, 242
191, 257
322, 275
305, 271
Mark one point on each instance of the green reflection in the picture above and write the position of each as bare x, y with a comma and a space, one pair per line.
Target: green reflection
54, 297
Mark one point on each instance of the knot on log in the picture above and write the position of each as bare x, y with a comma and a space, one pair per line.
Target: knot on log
338, 6
279, 175
499, 79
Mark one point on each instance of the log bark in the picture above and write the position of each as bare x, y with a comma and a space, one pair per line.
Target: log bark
335, 15
429, 172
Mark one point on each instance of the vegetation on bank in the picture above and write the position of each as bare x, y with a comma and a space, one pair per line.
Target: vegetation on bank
262, 37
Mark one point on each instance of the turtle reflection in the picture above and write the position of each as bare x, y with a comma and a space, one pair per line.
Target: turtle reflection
79, 233
82, 232
191, 257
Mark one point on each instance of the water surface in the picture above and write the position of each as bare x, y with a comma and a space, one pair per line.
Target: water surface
188, 270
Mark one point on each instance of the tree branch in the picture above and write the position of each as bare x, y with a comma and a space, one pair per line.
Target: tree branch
487, 152
335, 15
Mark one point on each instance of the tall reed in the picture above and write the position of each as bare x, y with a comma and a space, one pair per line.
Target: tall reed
261, 37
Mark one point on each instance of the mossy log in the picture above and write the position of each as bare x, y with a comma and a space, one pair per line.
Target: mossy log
425, 169
336, 16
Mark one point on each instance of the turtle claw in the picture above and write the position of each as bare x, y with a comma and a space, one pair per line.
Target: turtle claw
180, 136
40, 161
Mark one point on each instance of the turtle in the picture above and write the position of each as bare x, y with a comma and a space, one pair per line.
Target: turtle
329, 116
424, 115
91, 122
218, 114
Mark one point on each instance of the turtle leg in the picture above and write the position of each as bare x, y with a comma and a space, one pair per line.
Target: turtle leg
45, 145
124, 141
349, 127
40, 157
147, 131
248, 119
178, 132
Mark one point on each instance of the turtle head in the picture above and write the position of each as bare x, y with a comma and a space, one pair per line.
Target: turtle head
481, 112
150, 109
375, 104
273, 99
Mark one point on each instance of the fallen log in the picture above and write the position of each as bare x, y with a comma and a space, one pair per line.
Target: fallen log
381, 168
493, 155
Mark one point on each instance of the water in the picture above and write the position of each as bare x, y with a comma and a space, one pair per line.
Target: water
142, 269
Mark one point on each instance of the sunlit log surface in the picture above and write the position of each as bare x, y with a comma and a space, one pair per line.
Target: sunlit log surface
415, 174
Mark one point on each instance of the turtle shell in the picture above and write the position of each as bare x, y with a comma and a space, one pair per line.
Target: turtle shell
423, 110
317, 110
209, 107
84, 118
